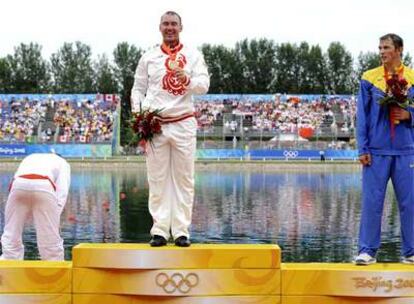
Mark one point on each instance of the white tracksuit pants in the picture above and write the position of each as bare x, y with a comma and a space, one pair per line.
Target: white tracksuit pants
42, 206
170, 167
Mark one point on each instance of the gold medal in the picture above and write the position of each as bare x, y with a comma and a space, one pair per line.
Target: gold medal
172, 64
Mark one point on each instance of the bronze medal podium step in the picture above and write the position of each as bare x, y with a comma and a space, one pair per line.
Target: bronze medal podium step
329, 283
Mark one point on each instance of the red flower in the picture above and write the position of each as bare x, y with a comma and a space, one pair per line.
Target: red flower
397, 88
396, 95
146, 124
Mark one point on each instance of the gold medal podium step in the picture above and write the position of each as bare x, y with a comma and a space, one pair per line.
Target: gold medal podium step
198, 256
124, 299
202, 273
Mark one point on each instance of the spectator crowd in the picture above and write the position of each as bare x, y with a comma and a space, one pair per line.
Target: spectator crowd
62, 120
278, 116
91, 120
20, 118
84, 121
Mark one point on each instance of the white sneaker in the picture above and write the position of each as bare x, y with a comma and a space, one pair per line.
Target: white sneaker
408, 260
366, 259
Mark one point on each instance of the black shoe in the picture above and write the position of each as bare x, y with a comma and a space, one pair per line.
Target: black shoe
182, 241
157, 241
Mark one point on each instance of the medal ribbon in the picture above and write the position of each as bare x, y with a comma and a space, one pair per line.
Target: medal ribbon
171, 52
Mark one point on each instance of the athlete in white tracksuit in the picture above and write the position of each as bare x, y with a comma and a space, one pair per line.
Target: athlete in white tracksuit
166, 78
39, 189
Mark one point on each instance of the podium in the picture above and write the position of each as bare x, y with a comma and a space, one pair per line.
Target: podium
309, 283
23, 282
202, 273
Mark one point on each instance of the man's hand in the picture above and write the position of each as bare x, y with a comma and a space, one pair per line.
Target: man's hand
400, 114
180, 74
365, 159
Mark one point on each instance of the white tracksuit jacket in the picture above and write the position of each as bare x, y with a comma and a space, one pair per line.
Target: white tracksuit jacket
170, 156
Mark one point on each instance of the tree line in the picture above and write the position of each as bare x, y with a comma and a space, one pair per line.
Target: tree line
71, 70
251, 66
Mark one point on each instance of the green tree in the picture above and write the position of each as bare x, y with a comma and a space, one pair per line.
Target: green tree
224, 70
72, 69
340, 69
367, 61
126, 59
256, 58
29, 71
105, 81
408, 60
5, 76
285, 79
317, 71
302, 68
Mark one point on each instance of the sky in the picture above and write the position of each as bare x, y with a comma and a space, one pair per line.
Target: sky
102, 24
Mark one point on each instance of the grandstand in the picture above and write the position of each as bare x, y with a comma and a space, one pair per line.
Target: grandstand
74, 125
263, 121
87, 125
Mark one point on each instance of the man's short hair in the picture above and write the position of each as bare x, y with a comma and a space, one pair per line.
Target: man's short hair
397, 41
173, 14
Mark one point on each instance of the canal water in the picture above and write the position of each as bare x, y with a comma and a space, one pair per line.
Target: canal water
311, 211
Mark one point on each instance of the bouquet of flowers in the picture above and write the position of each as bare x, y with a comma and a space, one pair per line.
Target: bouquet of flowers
396, 95
145, 124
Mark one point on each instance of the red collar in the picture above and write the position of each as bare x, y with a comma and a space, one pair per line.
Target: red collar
171, 52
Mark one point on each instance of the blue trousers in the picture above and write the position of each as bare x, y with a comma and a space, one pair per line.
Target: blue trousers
400, 168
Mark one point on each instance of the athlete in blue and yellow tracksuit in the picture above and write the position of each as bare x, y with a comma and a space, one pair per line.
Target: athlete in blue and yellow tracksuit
390, 157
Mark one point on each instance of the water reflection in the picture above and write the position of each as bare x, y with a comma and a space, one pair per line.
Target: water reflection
312, 212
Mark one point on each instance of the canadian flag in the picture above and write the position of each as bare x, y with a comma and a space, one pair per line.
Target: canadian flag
63, 138
109, 97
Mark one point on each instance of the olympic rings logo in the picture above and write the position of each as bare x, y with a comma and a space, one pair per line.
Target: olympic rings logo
177, 282
290, 154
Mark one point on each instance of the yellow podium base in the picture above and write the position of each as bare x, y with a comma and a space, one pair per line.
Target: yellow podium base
198, 256
36, 299
115, 299
35, 277
199, 282
324, 279
343, 300
200, 272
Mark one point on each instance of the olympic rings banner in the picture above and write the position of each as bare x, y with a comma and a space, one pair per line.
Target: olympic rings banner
302, 154
275, 154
